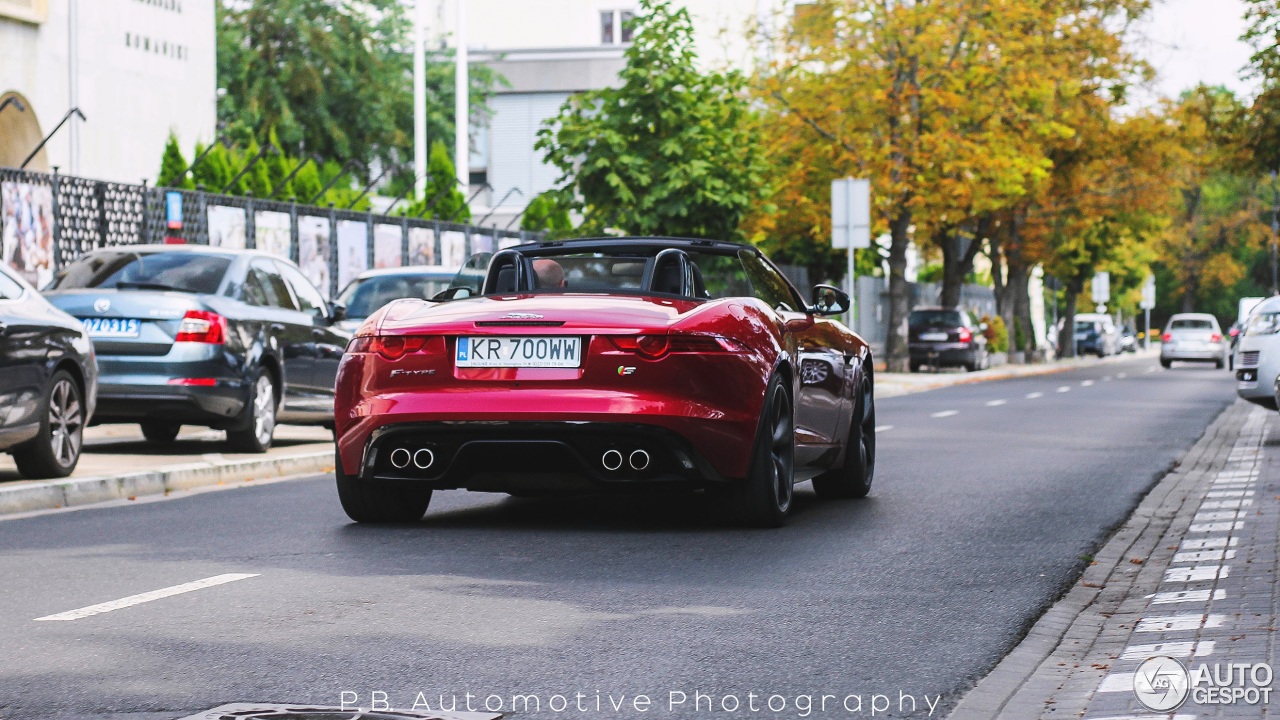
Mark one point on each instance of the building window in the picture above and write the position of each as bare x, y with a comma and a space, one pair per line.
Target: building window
626, 18
606, 27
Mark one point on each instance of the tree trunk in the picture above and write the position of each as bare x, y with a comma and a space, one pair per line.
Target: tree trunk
895, 354
1067, 336
1019, 285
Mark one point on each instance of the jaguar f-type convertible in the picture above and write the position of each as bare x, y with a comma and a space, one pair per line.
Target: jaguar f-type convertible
602, 365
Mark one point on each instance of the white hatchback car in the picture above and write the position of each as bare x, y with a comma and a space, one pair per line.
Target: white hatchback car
1258, 355
1195, 337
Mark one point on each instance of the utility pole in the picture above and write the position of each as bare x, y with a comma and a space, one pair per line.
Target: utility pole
420, 96
1275, 229
461, 114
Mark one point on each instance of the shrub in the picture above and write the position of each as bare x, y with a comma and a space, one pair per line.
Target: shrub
996, 333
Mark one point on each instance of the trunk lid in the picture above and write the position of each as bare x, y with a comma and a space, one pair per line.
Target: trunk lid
537, 315
128, 322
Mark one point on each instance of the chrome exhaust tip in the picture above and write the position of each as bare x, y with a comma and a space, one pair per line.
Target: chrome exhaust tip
423, 459
639, 460
400, 458
611, 460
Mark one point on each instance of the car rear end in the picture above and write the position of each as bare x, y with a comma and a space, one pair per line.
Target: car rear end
940, 337
1194, 338
163, 354
542, 394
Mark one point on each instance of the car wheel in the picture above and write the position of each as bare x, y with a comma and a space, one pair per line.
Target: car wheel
259, 418
1220, 363
913, 367
160, 431
853, 480
55, 450
380, 502
1166, 363
763, 499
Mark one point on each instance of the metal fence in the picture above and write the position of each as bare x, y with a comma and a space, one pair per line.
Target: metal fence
48, 220
872, 322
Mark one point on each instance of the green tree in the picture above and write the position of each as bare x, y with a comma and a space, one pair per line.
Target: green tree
669, 152
173, 167
545, 213
214, 171
442, 200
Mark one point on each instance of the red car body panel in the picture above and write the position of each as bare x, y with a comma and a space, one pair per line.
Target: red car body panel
712, 401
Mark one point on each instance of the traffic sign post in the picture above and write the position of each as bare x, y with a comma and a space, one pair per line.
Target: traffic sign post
851, 228
1148, 302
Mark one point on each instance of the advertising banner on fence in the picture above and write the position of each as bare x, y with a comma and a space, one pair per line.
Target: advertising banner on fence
226, 227
271, 232
386, 246
453, 249
28, 230
353, 250
313, 250
422, 246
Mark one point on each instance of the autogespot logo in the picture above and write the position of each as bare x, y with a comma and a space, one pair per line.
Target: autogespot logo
1161, 683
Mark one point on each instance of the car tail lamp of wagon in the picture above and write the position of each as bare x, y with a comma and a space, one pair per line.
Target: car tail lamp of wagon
1167, 337
965, 335
1215, 338
202, 326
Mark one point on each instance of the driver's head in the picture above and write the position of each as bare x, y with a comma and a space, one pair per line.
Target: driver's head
549, 272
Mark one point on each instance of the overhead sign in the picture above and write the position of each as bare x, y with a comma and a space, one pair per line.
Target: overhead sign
1148, 293
850, 213
1101, 287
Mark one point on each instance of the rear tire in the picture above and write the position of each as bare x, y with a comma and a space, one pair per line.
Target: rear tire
763, 499
853, 479
1219, 364
55, 450
380, 502
1166, 364
160, 431
914, 366
259, 417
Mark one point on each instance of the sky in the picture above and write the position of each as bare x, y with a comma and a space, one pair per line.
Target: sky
1193, 41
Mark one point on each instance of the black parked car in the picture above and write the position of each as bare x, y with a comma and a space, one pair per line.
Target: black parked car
48, 381
231, 339
945, 336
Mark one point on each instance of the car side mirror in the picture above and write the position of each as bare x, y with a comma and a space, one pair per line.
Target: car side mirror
453, 293
828, 300
337, 311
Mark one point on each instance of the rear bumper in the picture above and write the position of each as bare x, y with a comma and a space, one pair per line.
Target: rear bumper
1210, 354
943, 353
534, 456
134, 389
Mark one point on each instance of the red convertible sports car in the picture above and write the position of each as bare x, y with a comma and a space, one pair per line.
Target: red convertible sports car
607, 364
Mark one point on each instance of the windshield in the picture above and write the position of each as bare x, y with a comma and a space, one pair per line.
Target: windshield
191, 272
363, 297
949, 318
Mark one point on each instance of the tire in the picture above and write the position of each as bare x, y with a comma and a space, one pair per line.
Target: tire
913, 366
259, 417
1166, 364
380, 502
853, 479
160, 431
763, 498
55, 450
1219, 364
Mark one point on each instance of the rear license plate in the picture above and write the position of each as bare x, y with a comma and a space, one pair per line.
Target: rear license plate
112, 327
933, 337
520, 352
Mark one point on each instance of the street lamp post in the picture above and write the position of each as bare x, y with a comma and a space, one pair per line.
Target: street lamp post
1275, 229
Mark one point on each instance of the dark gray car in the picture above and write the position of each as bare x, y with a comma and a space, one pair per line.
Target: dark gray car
230, 339
945, 336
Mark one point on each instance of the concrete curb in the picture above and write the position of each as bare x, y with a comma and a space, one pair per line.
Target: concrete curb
1045, 673
896, 384
77, 492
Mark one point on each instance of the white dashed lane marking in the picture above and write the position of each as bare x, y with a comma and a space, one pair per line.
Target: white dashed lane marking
1121, 376
140, 598
1086, 383
1034, 395
1064, 388
945, 413
996, 403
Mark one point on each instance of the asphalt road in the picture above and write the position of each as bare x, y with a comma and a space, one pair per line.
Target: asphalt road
987, 499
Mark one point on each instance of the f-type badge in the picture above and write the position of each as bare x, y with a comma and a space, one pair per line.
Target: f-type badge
399, 371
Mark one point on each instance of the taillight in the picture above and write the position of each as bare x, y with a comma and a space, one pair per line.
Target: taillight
202, 326
1215, 338
1167, 337
655, 347
965, 335
391, 347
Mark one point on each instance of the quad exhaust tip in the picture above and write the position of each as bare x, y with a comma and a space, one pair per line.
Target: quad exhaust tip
400, 458
423, 459
611, 460
639, 460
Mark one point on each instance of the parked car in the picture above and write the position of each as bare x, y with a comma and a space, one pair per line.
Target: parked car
945, 336
1128, 339
1258, 355
48, 381
185, 335
603, 365
1096, 333
1194, 337
374, 288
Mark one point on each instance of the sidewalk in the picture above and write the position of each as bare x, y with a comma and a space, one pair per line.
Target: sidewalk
1176, 617
892, 384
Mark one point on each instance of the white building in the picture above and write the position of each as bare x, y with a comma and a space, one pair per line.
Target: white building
550, 49
136, 69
